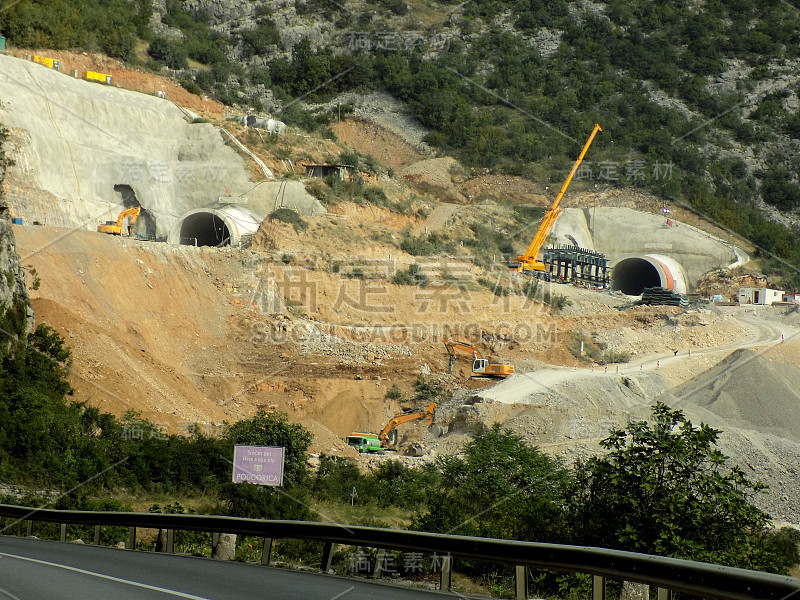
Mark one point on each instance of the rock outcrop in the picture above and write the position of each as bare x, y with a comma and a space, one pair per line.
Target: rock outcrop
16, 315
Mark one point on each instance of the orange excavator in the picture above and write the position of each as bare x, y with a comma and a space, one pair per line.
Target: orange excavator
115, 227
388, 437
480, 365
528, 263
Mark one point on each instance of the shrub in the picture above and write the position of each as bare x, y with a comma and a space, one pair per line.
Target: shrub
168, 52
286, 215
375, 195
259, 40
422, 245
665, 488
393, 393
411, 276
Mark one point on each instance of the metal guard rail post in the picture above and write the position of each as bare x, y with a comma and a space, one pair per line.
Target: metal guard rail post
678, 575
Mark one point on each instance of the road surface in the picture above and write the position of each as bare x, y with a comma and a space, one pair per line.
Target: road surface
35, 569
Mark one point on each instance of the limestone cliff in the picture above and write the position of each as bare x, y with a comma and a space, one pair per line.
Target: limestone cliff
16, 314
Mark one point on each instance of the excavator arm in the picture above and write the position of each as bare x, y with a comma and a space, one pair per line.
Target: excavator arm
388, 436
115, 227
480, 365
454, 346
133, 213
528, 260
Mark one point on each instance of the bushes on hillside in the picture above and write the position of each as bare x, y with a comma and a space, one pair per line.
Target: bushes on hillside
168, 52
413, 275
293, 218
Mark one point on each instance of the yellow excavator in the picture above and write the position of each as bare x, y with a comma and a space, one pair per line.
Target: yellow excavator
528, 263
388, 437
480, 365
115, 227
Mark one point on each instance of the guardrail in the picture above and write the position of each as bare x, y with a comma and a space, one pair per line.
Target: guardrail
667, 574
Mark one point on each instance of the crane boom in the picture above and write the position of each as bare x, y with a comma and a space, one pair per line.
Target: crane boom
528, 260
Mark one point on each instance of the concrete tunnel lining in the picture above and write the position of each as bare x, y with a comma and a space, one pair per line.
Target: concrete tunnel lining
223, 225
205, 229
631, 275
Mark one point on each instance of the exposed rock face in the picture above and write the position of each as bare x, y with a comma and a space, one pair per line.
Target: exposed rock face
16, 315
220, 11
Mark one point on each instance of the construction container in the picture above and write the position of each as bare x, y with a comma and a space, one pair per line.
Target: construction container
102, 77
2, 44
47, 62
16, 220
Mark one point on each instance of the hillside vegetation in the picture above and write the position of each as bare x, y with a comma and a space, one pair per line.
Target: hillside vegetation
698, 105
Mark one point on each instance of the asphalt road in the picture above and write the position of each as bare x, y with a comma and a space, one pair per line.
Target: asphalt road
35, 570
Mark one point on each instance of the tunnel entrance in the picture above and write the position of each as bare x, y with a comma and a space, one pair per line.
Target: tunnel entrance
204, 229
631, 275
145, 225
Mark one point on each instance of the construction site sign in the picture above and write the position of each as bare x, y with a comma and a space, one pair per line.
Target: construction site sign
261, 465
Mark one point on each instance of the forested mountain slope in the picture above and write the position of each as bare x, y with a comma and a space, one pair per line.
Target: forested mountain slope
698, 101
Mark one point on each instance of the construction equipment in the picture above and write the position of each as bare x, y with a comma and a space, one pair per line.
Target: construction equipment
480, 365
364, 443
388, 436
528, 263
115, 227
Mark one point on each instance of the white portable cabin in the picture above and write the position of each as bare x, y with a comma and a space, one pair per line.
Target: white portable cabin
764, 296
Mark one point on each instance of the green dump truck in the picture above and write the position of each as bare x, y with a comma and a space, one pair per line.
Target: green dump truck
365, 443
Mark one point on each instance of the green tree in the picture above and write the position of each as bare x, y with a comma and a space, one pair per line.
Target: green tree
168, 52
501, 488
335, 478
664, 488
777, 189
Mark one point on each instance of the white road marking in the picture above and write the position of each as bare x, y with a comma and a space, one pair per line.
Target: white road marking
108, 577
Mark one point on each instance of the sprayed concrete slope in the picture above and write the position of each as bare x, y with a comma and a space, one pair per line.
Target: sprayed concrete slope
73, 142
621, 233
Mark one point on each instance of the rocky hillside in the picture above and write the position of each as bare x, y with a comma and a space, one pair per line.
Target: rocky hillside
698, 106
16, 316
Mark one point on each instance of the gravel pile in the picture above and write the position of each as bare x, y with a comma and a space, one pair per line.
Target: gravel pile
750, 392
755, 402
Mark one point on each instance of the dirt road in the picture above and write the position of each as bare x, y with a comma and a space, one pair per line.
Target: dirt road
521, 387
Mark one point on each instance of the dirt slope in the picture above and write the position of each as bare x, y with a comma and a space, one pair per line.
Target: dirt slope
387, 147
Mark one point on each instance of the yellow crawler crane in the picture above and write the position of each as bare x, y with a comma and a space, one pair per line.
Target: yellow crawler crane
115, 227
528, 261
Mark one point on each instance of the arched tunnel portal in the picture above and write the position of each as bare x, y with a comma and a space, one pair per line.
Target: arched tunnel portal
632, 275
225, 225
205, 229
